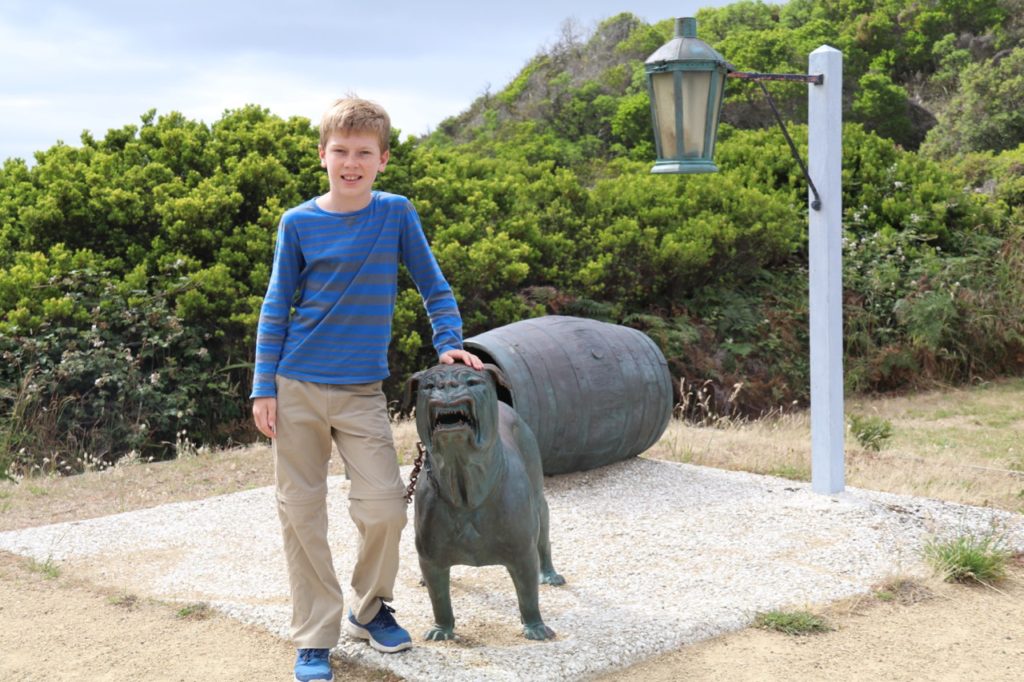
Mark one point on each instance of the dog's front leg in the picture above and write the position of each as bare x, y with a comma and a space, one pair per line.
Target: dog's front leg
524, 576
438, 580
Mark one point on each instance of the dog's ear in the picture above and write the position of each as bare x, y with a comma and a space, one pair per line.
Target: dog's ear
497, 375
412, 385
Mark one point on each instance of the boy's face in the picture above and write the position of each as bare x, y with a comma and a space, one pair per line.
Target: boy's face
352, 160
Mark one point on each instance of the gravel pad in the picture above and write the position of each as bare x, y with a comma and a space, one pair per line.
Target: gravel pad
656, 555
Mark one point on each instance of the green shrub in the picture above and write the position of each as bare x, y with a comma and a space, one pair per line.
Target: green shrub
116, 372
969, 558
195, 611
985, 112
870, 431
48, 568
792, 622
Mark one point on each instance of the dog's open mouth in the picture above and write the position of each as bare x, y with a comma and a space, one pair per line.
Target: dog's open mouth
453, 417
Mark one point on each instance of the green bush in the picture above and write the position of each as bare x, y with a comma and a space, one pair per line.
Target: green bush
870, 431
969, 558
792, 622
115, 371
986, 112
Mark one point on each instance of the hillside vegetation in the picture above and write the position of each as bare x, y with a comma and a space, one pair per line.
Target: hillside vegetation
132, 267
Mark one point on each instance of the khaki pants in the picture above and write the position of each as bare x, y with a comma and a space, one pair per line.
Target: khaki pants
309, 415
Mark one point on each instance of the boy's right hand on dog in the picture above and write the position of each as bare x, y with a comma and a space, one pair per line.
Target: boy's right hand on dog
264, 413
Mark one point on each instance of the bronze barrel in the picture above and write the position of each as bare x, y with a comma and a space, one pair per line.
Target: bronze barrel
593, 393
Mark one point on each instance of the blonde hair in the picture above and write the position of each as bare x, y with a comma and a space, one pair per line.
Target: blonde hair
354, 115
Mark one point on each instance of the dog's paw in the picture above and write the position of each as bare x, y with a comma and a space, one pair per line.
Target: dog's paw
552, 578
439, 634
538, 631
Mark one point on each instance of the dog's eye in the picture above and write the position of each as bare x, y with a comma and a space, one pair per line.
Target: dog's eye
427, 386
474, 381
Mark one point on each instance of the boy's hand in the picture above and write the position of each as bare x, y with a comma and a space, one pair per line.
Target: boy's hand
264, 413
450, 357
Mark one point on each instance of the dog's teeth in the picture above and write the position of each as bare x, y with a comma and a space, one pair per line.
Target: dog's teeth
454, 416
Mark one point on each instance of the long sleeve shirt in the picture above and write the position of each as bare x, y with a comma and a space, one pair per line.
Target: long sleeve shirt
329, 306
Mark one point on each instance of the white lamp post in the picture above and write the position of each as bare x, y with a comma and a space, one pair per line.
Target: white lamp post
825, 252
686, 82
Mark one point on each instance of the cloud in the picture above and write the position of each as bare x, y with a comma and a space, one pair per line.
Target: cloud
65, 66
69, 73
253, 78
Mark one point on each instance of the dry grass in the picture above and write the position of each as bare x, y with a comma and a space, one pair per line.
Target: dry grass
404, 432
134, 485
903, 590
963, 445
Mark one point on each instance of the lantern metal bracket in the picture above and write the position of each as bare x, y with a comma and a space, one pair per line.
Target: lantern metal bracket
812, 79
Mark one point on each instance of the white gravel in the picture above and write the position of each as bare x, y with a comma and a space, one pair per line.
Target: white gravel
656, 555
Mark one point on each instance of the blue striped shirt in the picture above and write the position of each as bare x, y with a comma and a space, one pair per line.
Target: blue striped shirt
327, 314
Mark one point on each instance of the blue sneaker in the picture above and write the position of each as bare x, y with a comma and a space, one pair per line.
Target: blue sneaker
313, 664
384, 633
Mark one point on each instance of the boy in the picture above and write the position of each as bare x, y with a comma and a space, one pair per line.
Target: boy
321, 353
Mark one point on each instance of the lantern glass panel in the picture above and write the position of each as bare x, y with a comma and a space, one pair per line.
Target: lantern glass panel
716, 109
663, 85
696, 86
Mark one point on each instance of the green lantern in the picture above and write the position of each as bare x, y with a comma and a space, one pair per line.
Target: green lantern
686, 81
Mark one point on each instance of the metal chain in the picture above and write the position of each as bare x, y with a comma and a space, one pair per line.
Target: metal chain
416, 467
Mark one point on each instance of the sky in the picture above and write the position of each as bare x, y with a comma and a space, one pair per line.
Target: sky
71, 66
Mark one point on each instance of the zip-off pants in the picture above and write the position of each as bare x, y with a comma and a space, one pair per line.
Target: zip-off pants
309, 416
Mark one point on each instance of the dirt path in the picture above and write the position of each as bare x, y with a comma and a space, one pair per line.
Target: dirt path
955, 633
55, 626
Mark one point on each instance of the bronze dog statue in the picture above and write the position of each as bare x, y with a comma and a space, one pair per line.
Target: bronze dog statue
480, 499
